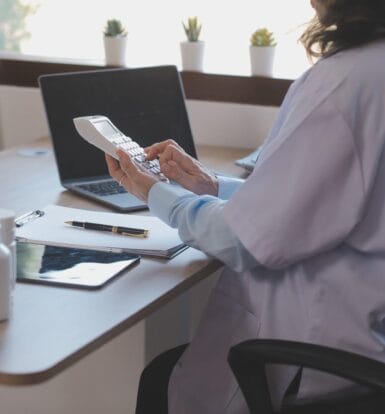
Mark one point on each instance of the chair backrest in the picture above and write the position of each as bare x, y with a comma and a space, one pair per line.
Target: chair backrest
248, 360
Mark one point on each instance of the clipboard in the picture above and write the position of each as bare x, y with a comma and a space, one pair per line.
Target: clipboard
47, 226
25, 218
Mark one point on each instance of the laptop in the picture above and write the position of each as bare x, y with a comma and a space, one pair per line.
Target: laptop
147, 104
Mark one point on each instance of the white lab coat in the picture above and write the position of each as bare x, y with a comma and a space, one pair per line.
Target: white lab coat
313, 215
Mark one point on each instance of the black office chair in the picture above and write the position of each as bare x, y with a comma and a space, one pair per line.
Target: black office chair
248, 360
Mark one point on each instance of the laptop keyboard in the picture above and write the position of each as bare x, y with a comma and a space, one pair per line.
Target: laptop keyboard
104, 188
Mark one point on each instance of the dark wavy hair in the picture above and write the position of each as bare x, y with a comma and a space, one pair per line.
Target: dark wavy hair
345, 24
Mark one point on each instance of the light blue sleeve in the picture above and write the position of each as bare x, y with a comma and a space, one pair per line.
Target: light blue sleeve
200, 223
227, 186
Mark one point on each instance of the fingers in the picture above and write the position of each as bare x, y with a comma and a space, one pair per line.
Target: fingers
137, 180
174, 162
118, 170
175, 153
172, 171
113, 167
130, 167
155, 150
126, 163
132, 177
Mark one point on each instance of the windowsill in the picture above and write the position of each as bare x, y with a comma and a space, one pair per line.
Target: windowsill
100, 62
23, 70
49, 59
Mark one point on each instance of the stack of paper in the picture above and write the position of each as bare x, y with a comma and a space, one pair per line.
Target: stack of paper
50, 229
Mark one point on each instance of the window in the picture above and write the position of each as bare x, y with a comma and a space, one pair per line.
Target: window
73, 29
12, 23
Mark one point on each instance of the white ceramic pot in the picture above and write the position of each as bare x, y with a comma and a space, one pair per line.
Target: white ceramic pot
115, 50
192, 55
262, 59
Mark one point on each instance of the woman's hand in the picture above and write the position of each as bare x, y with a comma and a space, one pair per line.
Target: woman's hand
178, 166
135, 179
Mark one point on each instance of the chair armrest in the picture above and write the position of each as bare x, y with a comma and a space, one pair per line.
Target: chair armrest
248, 360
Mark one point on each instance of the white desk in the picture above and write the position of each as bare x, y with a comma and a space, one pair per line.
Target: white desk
52, 328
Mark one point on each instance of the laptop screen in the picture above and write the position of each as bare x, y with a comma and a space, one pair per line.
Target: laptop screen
147, 104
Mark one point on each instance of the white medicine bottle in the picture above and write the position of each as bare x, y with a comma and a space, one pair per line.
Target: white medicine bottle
7, 236
5, 282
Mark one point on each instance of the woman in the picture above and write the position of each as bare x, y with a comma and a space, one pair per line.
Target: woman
303, 238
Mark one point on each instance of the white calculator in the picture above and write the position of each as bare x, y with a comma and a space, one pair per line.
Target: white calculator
99, 131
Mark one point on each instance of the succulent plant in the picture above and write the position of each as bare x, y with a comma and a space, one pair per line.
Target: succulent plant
192, 29
262, 37
114, 27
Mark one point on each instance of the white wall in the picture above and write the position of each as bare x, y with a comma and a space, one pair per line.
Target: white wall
230, 125
22, 120
22, 117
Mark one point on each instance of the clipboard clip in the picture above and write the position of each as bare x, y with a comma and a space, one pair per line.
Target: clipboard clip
27, 217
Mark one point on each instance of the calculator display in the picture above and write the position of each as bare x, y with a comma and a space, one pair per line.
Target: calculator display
106, 128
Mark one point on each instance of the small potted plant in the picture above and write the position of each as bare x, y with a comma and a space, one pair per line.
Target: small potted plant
192, 50
262, 51
115, 42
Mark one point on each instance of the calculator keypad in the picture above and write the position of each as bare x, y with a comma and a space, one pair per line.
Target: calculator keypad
137, 153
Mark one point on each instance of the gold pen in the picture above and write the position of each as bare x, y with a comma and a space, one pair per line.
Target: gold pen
124, 231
